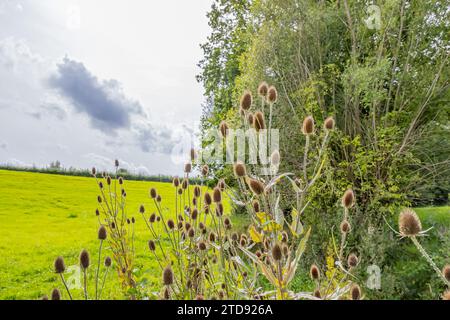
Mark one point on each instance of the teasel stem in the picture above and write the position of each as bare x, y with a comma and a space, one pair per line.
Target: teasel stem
280, 280
103, 283
98, 269
85, 284
305, 159
344, 237
428, 258
65, 285
270, 123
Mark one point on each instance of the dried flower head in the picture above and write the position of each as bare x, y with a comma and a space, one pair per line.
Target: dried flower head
167, 276
409, 223
93, 171
272, 94
153, 193
221, 185
116, 163
176, 182
345, 226
207, 198
446, 272
170, 224
217, 195
317, 294
352, 260
194, 214
202, 246
355, 292
84, 259
263, 88
329, 123
223, 127
120, 180
212, 237
205, 170
108, 262
56, 294
277, 254
255, 205
256, 186
158, 198
191, 233
258, 121
308, 125
188, 167
314, 272
250, 119
184, 184
102, 233
348, 200
152, 218
246, 100
446, 295
239, 169
60, 267
219, 209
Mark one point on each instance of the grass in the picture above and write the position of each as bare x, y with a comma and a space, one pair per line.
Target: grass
43, 216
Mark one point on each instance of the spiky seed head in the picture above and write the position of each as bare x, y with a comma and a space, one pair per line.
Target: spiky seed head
152, 217
219, 209
128, 221
168, 276
170, 224
409, 223
93, 171
176, 182
250, 119
97, 212
275, 158
56, 294
180, 191
184, 184
446, 295
308, 125
153, 193
255, 205
108, 262
256, 186
120, 180
188, 167
194, 214
151, 245
355, 292
314, 272
285, 249
201, 225
277, 254
141, 208
208, 199
223, 127
284, 237
212, 237
272, 94
108, 180
113, 225
133, 220
99, 199
246, 100
60, 266
345, 226
217, 195
329, 123
158, 218
239, 169
100, 185
158, 198
84, 259
352, 260
102, 233
348, 199
227, 222
263, 88
180, 225
202, 246
205, 170
258, 121
221, 185
243, 242
116, 163
234, 236
191, 233
187, 226
197, 191
317, 294
446, 272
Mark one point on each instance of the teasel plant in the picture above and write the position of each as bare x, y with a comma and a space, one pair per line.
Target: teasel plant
410, 226
113, 219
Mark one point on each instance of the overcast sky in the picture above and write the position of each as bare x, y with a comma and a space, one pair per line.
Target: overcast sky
84, 82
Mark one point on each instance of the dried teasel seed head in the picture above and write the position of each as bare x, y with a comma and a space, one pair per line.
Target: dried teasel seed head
201, 225
207, 198
345, 226
152, 218
99, 199
158, 198
188, 167
151, 245
158, 218
239, 170
202, 246
184, 184
258, 121
352, 260
108, 180
221, 185
180, 191
108, 262
246, 100
120, 180
141, 208
100, 185
128, 221
205, 170
170, 224
446, 295
168, 276
308, 125
314, 272
255, 205
227, 222
97, 212
409, 223
113, 225
234, 236
176, 182
84, 259
355, 292
93, 171
56, 294
102, 233
329, 123
191, 233
193, 154
153, 193
60, 267
277, 254
275, 158
348, 199
285, 249
263, 88
197, 191
219, 209
272, 95
284, 237
133, 220
187, 226
212, 237
217, 195
223, 127
446, 272
194, 214
256, 186
116, 163
180, 225
317, 294
250, 119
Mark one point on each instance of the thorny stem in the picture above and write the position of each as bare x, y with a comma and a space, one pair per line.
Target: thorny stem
103, 283
65, 285
98, 268
85, 284
305, 159
430, 261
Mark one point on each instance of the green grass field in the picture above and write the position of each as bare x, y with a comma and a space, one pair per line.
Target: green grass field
43, 216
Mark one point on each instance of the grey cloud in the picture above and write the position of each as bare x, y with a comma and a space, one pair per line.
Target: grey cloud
103, 101
153, 139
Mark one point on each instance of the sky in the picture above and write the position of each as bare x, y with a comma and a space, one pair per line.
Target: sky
86, 82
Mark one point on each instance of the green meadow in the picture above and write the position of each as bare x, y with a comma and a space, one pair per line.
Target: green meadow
43, 216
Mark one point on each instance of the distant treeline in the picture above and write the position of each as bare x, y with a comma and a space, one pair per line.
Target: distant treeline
87, 173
